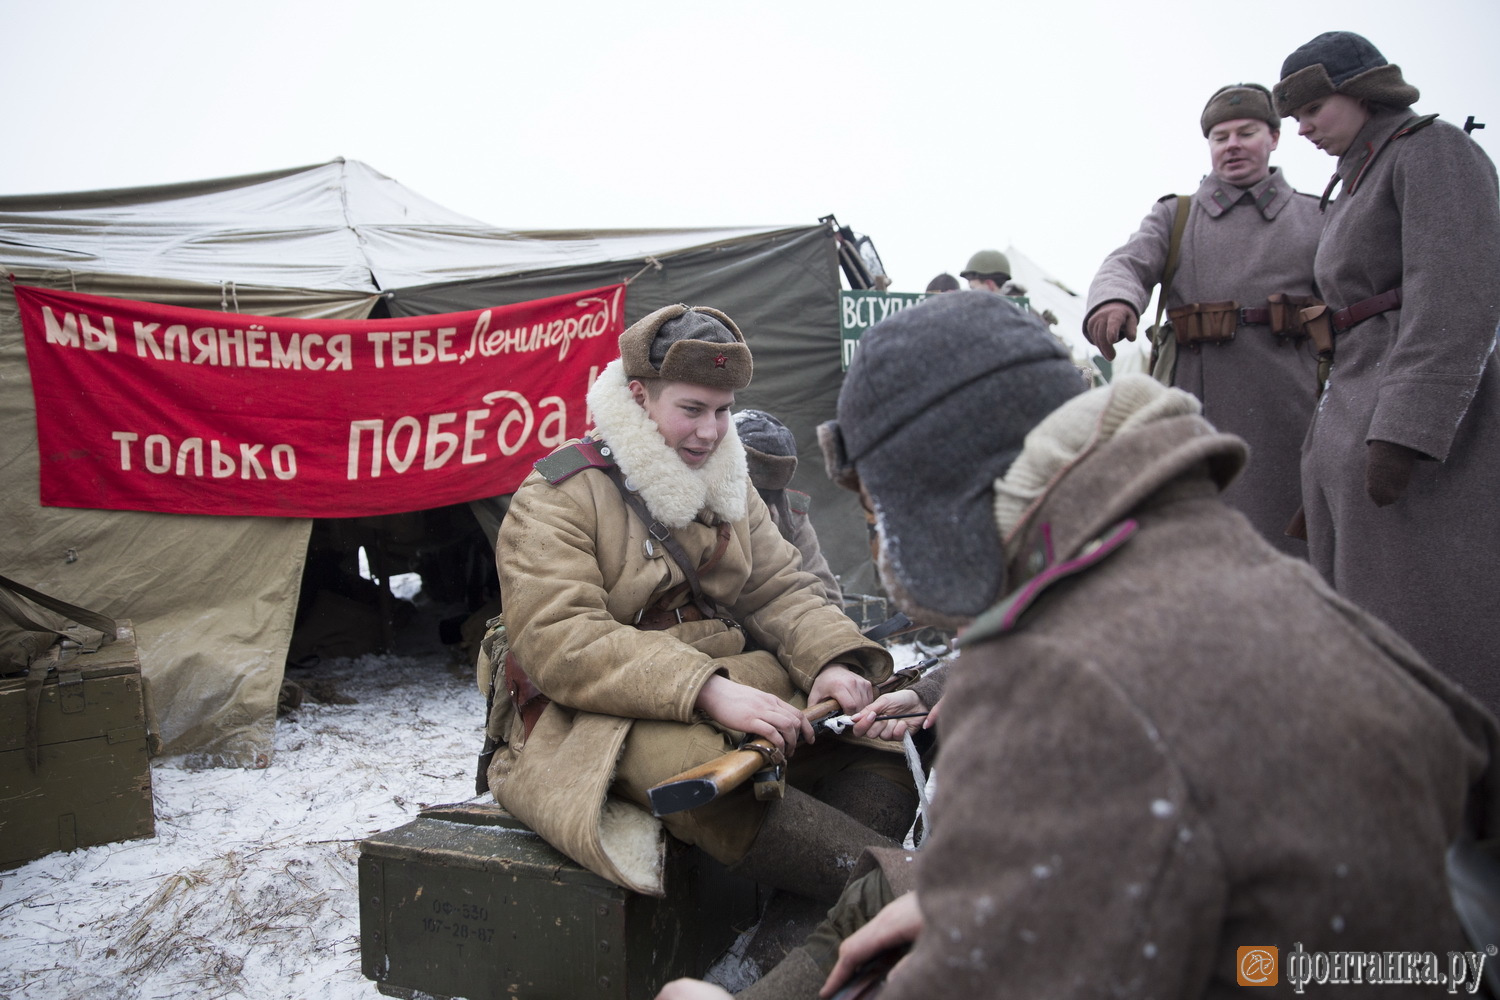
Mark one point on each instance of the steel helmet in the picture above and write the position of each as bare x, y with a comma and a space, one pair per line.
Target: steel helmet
986, 262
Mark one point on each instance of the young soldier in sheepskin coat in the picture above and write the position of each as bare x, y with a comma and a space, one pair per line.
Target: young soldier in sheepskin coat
628, 704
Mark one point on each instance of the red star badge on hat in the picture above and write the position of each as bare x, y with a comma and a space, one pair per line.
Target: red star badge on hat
721, 361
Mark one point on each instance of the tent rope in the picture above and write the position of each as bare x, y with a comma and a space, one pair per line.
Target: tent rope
227, 294
651, 262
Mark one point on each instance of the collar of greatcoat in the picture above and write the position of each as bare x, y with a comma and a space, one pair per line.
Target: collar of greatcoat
674, 493
1094, 461
1368, 142
1269, 196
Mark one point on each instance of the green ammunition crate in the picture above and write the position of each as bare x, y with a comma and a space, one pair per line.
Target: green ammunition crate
466, 901
92, 784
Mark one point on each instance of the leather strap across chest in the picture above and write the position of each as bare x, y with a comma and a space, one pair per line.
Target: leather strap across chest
661, 533
1372, 153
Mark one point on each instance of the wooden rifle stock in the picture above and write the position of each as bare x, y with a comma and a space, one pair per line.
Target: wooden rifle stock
702, 784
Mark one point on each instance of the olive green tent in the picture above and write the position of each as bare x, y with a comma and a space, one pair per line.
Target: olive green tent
213, 598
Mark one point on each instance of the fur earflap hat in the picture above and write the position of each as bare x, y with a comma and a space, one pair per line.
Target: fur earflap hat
770, 449
935, 407
1239, 100
1341, 62
687, 344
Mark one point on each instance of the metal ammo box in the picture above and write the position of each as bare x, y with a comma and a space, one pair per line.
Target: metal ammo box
466, 901
92, 780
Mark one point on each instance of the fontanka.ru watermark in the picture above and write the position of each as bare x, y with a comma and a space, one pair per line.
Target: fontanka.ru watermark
1261, 965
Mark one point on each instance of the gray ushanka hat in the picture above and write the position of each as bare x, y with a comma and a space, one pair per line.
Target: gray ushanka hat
1341, 62
936, 405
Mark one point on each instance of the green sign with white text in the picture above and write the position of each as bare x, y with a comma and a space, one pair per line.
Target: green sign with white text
860, 310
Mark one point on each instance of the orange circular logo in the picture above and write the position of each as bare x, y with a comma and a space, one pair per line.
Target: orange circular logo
1255, 965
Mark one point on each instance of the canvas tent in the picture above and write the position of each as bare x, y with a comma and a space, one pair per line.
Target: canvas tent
213, 598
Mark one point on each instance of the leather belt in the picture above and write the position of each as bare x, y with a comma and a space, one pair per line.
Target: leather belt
1259, 316
656, 619
1345, 319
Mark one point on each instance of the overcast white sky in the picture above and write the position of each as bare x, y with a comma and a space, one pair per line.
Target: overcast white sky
936, 128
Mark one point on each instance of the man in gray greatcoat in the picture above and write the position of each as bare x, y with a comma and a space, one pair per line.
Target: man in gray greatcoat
1248, 236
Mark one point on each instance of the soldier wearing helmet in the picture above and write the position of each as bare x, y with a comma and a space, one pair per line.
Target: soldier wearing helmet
987, 271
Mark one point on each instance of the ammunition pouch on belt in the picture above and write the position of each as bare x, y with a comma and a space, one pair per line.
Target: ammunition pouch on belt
1212, 322
1318, 321
1285, 314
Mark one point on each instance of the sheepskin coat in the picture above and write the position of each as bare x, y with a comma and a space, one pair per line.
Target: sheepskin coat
1424, 217
1238, 246
1176, 743
575, 569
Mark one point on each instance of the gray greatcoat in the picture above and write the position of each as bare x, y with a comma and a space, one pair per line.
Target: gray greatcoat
1425, 216
1255, 386
1134, 791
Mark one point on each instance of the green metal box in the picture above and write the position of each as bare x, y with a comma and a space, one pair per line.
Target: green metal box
466, 901
92, 781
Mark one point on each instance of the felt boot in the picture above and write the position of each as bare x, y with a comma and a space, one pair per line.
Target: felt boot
796, 977
786, 923
885, 806
807, 847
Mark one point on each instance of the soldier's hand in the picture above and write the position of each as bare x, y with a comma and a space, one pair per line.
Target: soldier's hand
1108, 324
844, 686
1388, 468
692, 989
899, 923
750, 710
903, 702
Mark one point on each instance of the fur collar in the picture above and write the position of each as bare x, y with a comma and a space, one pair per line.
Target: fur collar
673, 492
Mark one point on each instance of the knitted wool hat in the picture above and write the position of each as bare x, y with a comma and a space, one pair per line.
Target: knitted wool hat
1341, 62
770, 449
687, 344
1239, 100
935, 407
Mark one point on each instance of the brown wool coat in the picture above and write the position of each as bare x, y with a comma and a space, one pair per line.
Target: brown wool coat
1426, 217
574, 572
1255, 386
1191, 745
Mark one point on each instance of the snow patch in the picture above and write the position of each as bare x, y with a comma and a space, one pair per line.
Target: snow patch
250, 886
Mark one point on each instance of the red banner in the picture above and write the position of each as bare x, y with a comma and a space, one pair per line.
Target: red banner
141, 406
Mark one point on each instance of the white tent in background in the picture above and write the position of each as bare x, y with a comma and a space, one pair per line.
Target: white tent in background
1048, 293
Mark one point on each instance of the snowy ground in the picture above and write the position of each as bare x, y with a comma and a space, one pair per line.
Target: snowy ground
249, 889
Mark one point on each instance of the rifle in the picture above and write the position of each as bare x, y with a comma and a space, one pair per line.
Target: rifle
756, 758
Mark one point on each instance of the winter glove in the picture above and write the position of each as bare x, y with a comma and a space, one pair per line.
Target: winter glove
1109, 323
1388, 471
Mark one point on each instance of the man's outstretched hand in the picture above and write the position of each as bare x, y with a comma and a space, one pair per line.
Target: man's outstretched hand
1107, 324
